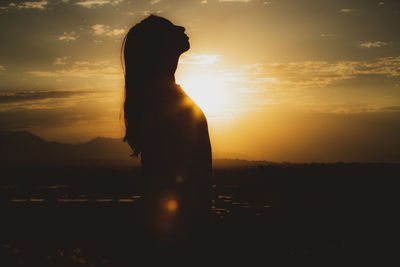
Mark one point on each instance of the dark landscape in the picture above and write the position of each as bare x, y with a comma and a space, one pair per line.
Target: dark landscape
80, 205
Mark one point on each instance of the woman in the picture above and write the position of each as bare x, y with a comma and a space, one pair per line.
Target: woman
165, 127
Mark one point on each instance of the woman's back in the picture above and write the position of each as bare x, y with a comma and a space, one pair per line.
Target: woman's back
176, 157
176, 133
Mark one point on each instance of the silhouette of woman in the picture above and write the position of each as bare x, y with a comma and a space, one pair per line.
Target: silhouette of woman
165, 127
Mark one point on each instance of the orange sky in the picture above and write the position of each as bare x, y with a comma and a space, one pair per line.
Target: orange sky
278, 80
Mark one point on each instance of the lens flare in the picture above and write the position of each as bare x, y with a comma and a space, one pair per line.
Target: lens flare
172, 205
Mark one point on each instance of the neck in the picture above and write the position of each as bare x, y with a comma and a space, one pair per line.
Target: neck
168, 68
166, 78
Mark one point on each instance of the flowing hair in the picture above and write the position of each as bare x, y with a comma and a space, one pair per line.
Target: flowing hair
142, 52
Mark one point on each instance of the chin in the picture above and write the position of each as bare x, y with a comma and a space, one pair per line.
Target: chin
186, 47
183, 47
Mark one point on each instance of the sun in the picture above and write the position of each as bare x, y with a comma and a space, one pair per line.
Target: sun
210, 92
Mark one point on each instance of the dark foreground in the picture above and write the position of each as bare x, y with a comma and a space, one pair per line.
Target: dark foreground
279, 215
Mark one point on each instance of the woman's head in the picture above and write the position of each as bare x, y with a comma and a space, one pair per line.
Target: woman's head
151, 44
151, 50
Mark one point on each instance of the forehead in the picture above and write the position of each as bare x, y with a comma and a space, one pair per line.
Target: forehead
156, 23
165, 22
168, 23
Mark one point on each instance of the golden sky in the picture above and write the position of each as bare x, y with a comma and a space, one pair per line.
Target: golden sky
283, 80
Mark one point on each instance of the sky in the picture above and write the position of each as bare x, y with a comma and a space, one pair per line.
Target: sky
283, 80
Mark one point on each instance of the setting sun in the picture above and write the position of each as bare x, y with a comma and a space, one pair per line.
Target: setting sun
210, 92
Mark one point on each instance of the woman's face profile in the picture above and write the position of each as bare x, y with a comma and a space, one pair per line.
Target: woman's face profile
175, 39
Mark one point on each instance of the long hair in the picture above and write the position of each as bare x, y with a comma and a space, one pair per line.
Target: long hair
142, 50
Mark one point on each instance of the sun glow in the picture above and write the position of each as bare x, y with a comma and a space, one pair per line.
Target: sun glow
210, 92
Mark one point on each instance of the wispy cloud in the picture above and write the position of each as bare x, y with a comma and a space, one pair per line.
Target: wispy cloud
287, 80
148, 12
153, 2
23, 96
373, 44
44, 100
346, 10
28, 5
71, 36
243, 1
92, 3
104, 30
391, 108
96, 3
252, 78
308, 74
82, 69
328, 35
200, 59
60, 60
2, 68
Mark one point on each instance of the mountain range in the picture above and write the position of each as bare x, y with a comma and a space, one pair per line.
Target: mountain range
23, 146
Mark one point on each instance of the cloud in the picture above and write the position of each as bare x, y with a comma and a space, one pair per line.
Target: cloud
204, 2
251, 78
319, 74
23, 96
153, 2
104, 30
381, 3
29, 5
200, 59
43, 100
51, 99
82, 69
243, 1
60, 60
328, 35
390, 108
346, 10
92, 3
146, 12
96, 3
373, 44
68, 36
2, 68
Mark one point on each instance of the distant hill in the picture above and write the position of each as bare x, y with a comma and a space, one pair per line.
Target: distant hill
23, 146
